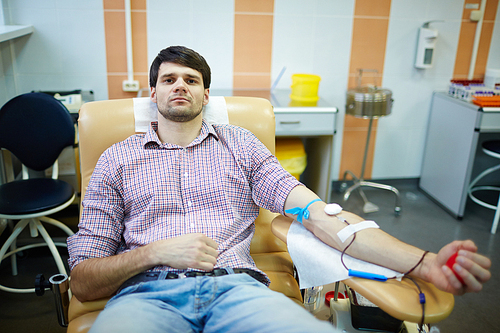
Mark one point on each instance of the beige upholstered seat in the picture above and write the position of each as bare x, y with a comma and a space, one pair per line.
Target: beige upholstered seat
105, 122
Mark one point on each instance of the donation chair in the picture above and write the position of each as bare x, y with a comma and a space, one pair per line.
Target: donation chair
35, 127
106, 122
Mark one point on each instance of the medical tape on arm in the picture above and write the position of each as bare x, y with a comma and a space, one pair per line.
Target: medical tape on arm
351, 229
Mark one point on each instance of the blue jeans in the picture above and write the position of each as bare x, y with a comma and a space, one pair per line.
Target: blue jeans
230, 303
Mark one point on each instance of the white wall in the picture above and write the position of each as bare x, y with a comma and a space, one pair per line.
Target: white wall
66, 51
494, 57
315, 37
401, 136
204, 26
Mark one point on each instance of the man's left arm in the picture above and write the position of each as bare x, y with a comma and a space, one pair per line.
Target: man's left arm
378, 247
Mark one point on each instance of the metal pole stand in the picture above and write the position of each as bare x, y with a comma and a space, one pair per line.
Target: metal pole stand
368, 207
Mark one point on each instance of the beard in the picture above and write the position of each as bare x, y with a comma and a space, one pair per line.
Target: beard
180, 113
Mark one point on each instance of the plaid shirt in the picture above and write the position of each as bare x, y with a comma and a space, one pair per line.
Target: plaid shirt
142, 191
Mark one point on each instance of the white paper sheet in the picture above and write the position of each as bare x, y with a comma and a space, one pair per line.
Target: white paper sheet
319, 264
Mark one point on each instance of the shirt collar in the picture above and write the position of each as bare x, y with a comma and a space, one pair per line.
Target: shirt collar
151, 138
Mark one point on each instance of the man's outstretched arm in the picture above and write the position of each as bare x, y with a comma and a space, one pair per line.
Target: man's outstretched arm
378, 247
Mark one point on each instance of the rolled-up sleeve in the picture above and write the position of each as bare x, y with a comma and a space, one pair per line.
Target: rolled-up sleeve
101, 222
270, 182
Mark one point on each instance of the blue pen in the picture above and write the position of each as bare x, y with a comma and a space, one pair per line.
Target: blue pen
365, 275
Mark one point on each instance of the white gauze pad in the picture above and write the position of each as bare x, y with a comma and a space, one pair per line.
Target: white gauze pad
333, 209
353, 228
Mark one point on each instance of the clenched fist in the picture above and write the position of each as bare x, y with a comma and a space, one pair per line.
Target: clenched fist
195, 251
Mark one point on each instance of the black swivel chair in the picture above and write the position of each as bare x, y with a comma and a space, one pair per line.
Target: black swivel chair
35, 127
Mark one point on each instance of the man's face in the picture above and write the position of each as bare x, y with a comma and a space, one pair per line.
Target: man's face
179, 92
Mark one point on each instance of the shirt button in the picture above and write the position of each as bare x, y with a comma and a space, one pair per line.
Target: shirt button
192, 225
185, 174
190, 203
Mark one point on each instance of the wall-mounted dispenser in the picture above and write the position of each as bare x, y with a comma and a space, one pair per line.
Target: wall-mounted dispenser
425, 48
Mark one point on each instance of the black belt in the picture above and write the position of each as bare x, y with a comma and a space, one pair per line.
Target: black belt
153, 276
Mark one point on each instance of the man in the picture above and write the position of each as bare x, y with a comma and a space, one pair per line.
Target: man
180, 201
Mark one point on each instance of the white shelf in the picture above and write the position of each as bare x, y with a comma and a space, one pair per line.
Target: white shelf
8, 32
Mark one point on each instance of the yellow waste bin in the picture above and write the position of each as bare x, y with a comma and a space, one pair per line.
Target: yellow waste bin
291, 155
305, 88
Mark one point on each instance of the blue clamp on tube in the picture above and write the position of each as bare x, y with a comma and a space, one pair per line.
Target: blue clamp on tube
301, 212
366, 275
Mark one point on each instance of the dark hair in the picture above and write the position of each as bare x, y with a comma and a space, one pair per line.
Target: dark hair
182, 56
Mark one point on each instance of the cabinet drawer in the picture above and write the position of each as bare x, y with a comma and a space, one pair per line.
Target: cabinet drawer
303, 124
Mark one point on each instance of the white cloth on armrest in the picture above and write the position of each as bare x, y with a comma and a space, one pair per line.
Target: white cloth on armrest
319, 264
145, 111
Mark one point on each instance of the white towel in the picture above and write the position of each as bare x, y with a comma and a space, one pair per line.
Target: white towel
319, 264
145, 111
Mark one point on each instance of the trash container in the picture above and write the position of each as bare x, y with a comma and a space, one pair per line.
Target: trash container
305, 88
291, 155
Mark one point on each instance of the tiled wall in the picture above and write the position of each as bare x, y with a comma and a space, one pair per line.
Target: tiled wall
466, 40
81, 44
205, 26
116, 46
494, 54
253, 43
67, 50
401, 136
369, 39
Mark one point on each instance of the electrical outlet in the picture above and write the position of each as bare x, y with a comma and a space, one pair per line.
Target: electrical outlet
475, 15
130, 85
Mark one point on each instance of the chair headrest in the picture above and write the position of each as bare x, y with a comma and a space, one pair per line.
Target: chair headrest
145, 111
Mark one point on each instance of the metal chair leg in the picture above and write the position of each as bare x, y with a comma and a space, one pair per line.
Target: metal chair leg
397, 208
348, 192
35, 227
473, 188
59, 285
496, 218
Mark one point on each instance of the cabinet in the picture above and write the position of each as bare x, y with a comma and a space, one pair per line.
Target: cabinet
453, 137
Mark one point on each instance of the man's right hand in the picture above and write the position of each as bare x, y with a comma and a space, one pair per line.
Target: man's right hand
195, 251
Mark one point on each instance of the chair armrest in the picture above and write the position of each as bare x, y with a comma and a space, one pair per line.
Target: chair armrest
399, 299
78, 309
